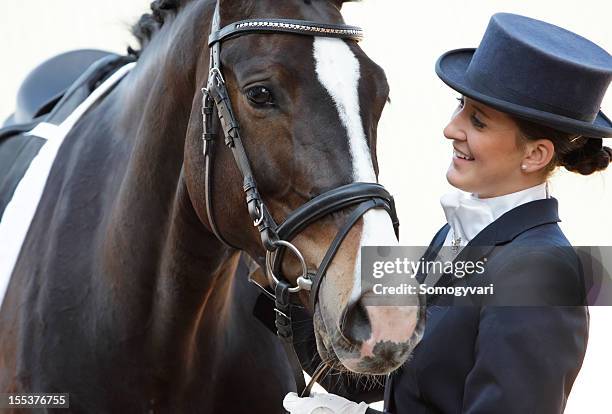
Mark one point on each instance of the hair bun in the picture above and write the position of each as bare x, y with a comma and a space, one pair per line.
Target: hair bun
589, 158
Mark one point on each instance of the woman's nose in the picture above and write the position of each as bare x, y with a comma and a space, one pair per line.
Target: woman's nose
454, 131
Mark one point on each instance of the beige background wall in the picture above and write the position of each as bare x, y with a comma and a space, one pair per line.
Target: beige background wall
405, 38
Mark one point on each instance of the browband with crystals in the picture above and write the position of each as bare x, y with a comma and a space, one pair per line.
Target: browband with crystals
301, 27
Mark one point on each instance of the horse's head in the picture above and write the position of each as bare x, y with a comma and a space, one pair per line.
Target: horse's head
308, 109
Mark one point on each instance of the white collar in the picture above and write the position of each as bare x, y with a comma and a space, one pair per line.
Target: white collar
468, 215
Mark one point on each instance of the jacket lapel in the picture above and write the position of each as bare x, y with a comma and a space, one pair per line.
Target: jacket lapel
434, 248
502, 231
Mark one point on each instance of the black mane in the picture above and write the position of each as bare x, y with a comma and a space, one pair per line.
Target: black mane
150, 23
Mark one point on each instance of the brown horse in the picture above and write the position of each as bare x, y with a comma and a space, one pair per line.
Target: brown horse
121, 294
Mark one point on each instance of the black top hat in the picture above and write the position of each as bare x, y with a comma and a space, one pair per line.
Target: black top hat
536, 71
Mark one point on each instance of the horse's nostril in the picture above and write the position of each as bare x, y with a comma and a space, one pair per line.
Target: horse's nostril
355, 324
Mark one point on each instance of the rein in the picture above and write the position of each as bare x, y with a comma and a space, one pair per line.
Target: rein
276, 238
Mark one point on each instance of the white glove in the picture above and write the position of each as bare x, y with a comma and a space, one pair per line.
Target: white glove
322, 404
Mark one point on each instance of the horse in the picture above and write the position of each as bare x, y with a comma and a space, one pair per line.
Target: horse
123, 292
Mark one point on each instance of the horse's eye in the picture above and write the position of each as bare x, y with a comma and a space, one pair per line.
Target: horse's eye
260, 95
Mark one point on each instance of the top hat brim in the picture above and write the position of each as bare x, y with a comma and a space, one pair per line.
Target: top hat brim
452, 66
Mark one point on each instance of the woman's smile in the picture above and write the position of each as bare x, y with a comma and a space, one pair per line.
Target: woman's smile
461, 155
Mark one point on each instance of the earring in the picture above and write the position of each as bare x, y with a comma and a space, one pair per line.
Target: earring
523, 167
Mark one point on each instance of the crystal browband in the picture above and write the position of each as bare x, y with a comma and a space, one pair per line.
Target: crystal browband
300, 27
286, 26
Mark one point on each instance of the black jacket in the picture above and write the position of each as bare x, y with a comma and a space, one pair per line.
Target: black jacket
500, 359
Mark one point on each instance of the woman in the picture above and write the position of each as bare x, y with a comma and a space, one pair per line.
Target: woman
530, 103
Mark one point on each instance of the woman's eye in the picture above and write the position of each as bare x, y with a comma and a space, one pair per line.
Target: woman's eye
477, 122
260, 95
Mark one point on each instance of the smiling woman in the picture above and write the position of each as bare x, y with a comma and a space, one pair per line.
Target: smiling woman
485, 164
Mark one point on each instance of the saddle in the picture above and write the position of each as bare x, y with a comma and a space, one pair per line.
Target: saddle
48, 82
50, 93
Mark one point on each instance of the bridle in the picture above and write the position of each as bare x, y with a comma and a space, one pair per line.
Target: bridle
275, 238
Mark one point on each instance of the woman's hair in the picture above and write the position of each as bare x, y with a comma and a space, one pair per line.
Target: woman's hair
576, 153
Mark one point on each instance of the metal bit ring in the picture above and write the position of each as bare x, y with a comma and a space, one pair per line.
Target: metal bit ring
303, 281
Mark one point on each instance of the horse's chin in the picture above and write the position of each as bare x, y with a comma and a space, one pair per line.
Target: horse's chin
343, 355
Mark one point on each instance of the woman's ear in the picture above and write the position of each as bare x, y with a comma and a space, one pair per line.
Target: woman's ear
538, 154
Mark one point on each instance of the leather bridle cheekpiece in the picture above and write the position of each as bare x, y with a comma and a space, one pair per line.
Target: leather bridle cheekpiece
276, 238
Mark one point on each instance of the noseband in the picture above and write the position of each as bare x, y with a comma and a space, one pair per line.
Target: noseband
276, 238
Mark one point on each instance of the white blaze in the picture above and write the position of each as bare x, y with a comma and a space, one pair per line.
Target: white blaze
338, 71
